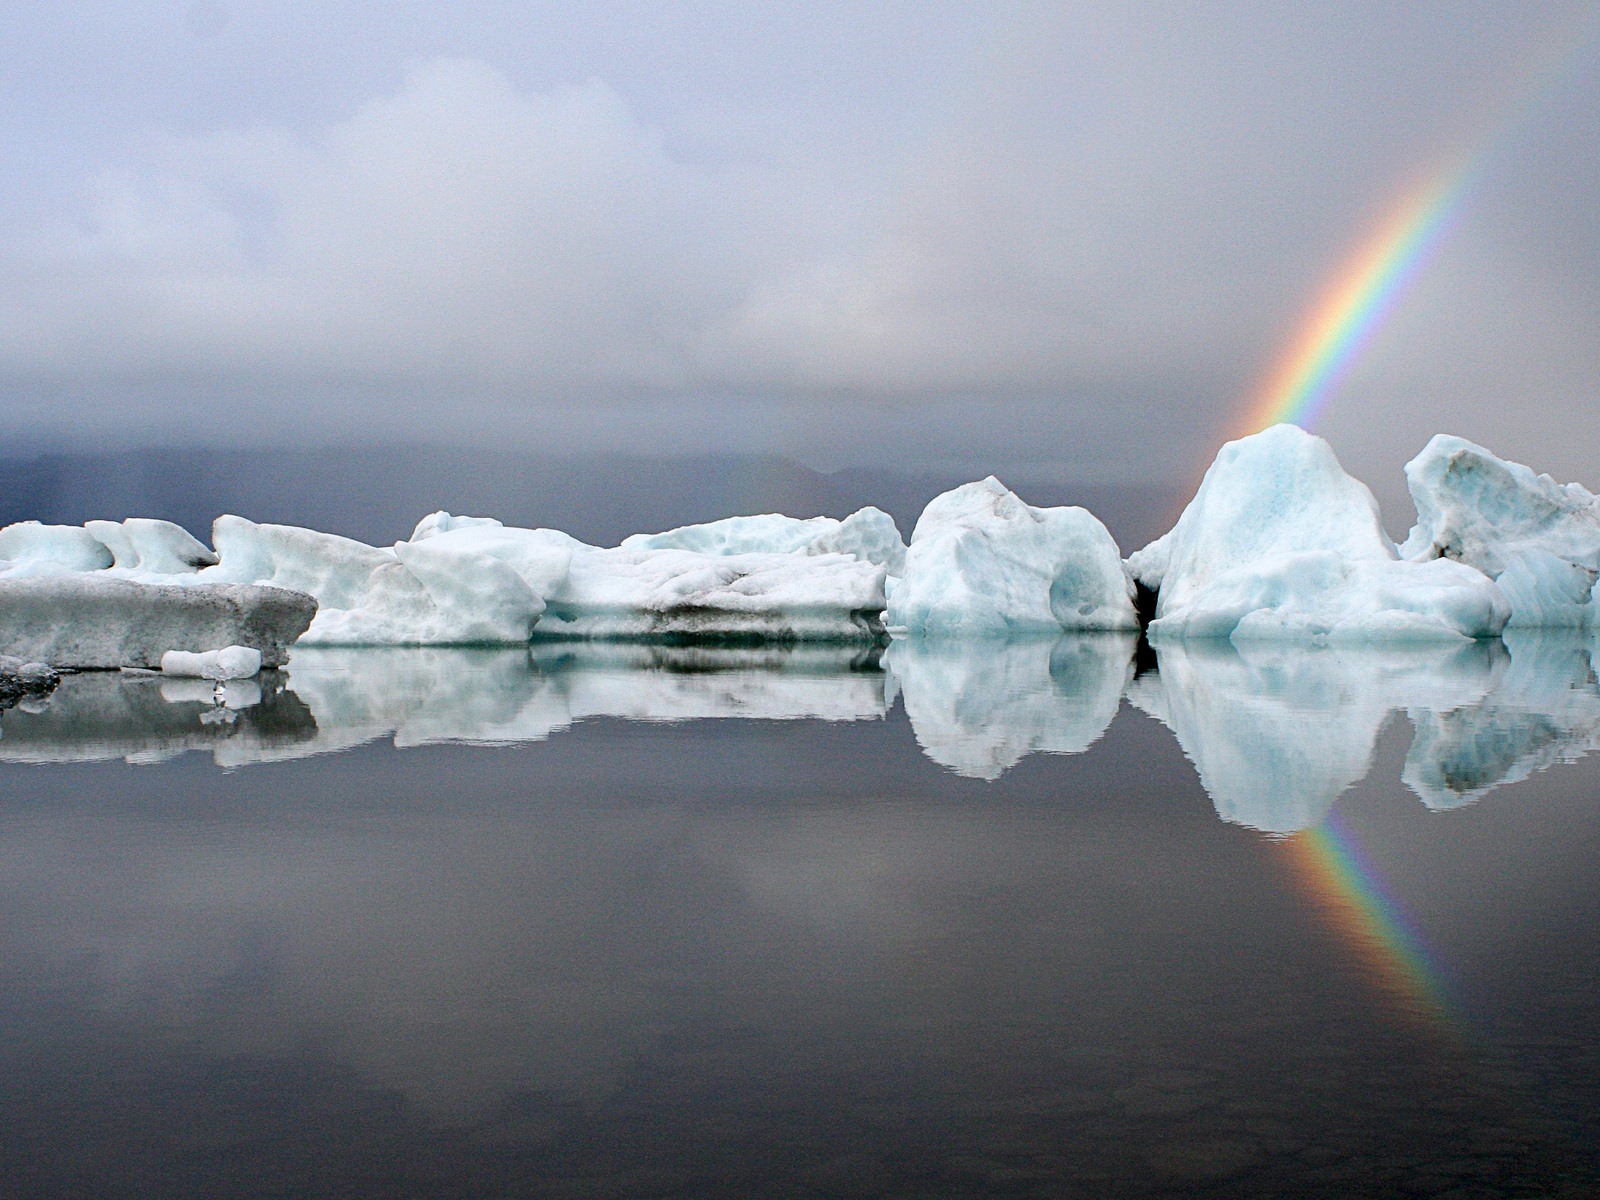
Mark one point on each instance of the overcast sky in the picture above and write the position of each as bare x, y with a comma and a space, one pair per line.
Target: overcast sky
1047, 239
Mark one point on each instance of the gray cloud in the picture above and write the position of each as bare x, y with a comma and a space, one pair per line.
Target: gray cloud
1073, 240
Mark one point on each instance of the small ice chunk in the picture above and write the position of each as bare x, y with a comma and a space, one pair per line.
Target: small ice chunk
231, 662
21, 680
1538, 539
984, 563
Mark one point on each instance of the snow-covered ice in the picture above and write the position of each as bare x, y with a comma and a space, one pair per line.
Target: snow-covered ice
1279, 543
982, 563
142, 546
1538, 539
979, 707
29, 548
869, 534
89, 620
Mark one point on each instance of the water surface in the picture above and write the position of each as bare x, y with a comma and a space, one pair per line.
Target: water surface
1038, 920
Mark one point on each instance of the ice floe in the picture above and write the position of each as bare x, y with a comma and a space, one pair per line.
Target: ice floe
1280, 544
984, 563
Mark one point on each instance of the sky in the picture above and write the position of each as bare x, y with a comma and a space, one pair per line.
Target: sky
1057, 241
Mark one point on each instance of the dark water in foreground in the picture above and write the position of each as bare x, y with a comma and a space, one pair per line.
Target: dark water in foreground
845, 935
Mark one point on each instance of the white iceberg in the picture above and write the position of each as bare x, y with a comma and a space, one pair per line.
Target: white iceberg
419, 593
984, 563
1280, 543
89, 620
1538, 539
472, 581
869, 534
980, 707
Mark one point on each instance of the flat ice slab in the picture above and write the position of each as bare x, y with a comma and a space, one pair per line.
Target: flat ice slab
1279, 543
89, 621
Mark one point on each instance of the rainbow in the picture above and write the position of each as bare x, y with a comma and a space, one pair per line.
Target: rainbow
1357, 299
1367, 920
1365, 289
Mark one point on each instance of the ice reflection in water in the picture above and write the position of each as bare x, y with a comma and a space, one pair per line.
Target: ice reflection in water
786, 955
1276, 733
980, 707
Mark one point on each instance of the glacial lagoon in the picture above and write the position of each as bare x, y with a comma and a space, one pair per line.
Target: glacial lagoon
1063, 918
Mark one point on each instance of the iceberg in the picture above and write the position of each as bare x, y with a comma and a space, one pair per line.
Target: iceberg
984, 563
91, 621
470, 581
426, 592
980, 707
1538, 539
1279, 543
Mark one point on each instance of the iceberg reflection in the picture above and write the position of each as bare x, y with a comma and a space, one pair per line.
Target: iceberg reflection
103, 715
1277, 733
1541, 707
334, 699
979, 707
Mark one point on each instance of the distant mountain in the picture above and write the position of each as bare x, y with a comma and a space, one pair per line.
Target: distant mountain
377, 494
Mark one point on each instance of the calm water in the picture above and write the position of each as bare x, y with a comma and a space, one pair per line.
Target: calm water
1016, 921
